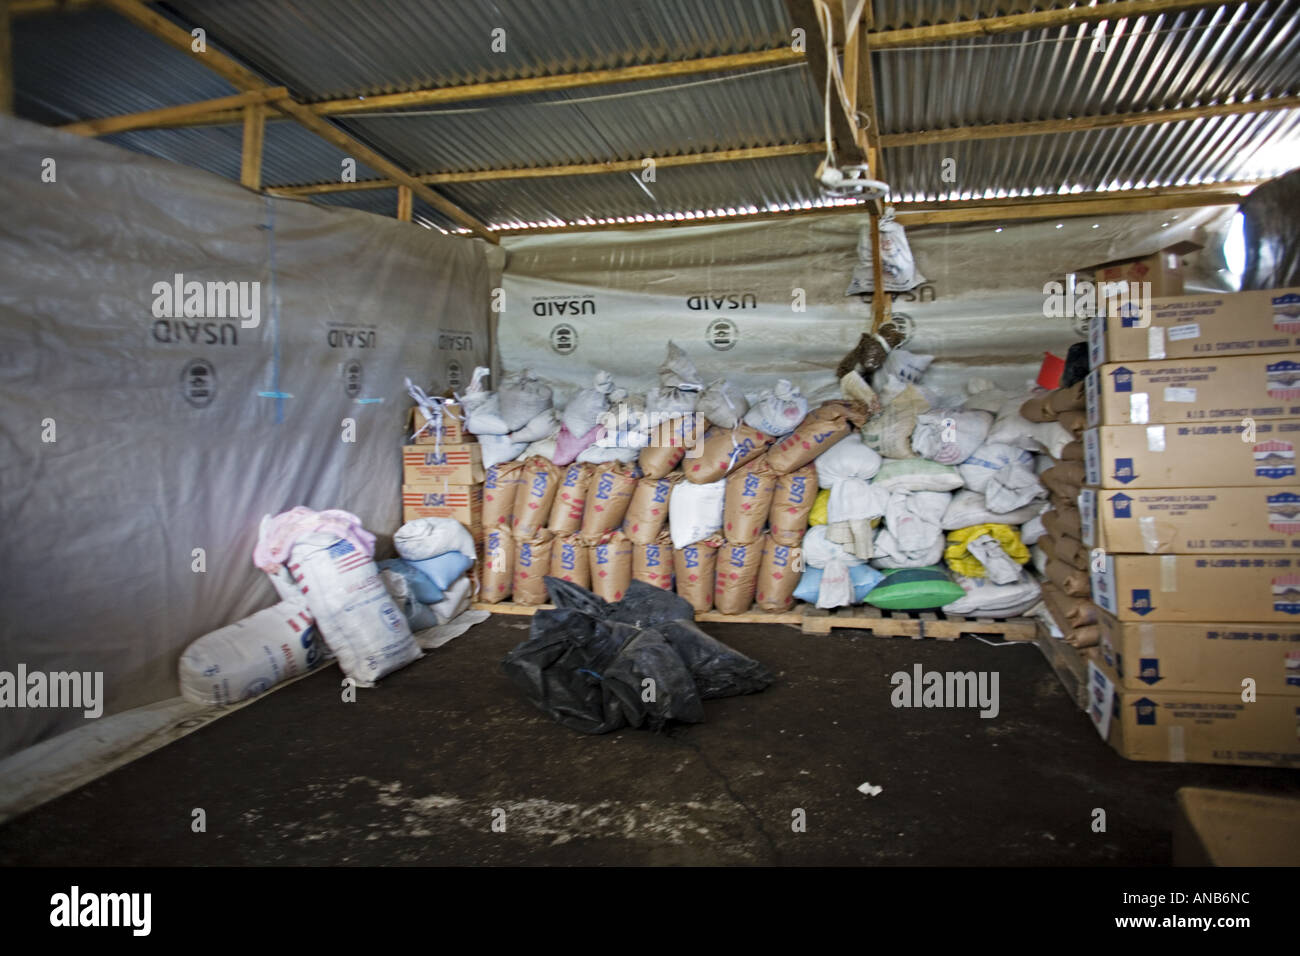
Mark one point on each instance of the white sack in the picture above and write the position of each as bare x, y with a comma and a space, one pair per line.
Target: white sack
988, 460
987, 599
584, 410
722, 404
969, 508
901, 369
695, 511
486, 418
521, 398
1013, 486
999, 567
916, 474
542, 425
429, 537
819, 551
777, 411
950, 435
890, 555
848, 458
498, 448
250, 656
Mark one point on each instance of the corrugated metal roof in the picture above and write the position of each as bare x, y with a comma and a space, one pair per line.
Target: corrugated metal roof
391, 45
90, 63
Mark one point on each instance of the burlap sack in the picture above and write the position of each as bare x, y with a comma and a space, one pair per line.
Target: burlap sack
648, 510
500, 486
792, 500
1073, 451
1074, 421
1069, 550
533, 499
611, 566
532, 563
669, 440
778, 575
1070, 399
695, 567
748, 500
653, 563
566, 510
612, 484
825, 425
1036, 409
1073, 581
1063, 522
498, 564
737, 576
722, 450
569, 560
1064, 478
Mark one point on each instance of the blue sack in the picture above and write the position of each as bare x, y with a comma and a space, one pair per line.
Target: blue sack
444, 569
863, 576
423, 589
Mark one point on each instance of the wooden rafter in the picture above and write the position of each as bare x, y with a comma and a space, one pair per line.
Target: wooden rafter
136, 12
844, 130
1038, 20
579, 169
174, 115
250, 160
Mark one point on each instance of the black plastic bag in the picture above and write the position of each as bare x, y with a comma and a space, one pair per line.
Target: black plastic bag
596, 667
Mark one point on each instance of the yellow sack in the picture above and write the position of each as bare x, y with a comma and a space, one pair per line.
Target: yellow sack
818, 513
964, 563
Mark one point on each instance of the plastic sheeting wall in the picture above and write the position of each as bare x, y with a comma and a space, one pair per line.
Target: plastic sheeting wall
130, 441
726, 293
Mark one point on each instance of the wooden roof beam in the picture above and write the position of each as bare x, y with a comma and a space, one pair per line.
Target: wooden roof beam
175, 115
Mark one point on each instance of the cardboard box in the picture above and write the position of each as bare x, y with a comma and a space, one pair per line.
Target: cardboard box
1157, 272
1194, 726
1233, 828
1191, 520
1195, 390
1187, 587
1201, 656
423, 467
1191, 456
453, 426
1195, 326
464, 503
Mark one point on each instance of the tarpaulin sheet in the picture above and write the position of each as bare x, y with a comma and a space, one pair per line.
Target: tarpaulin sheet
171, 435
730, 294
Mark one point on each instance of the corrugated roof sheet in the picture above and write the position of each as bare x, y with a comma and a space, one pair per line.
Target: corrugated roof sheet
90, 63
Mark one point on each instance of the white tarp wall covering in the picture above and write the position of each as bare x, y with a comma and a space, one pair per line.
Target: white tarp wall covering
171, 435
726, 293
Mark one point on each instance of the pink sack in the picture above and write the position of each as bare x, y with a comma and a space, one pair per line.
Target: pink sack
568, 448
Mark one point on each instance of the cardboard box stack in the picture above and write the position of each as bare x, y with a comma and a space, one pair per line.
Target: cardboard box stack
442, 470
1191, 492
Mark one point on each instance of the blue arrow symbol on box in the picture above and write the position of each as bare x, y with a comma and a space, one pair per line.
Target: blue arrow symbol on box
1149, 670
1141, 602
1122, 504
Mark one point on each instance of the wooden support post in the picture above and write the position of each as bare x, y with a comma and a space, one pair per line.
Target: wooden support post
405, 200
250, 166
6, 61
879, 297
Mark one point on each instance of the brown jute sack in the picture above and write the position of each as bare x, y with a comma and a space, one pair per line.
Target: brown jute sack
669, 440
566, 509
653, 563
498, 564
737, 576
648, 510
722, 450
500, 486
825, 425
569, 560
536, 493
748, 499
532, 563
695, 568
792, 500
778, 575
611, 566
612, 484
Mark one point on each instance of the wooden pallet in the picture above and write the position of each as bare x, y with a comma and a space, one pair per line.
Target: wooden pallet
754, 615
914, 624
1069, 664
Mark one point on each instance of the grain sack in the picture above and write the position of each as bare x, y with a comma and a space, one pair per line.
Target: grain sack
747, 501
250, 656
778, 575
569, 560
498, 564
653, 563
648, 509
670, 440
824, 426
583, 412
722, 403
695, 567
950, 435
608, 498
521, 398
539, 483
695, 511
890, 431
736, 576
777, 411
570, 499
499, 489
723, 449
792, 500
611, 566
532, 564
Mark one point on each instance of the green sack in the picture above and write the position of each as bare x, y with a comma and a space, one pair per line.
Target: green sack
915, 589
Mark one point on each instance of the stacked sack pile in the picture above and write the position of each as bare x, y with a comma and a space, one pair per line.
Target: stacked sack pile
1060, 554
915, 500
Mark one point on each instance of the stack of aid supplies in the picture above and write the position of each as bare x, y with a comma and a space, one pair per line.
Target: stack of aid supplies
1193, 407
442, 466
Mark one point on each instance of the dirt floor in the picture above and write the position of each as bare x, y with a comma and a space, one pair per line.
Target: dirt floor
417, 770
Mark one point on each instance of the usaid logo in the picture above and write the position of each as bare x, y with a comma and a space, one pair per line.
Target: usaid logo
716, 303
352, 373
564, 305
199, 383
450, 340
722, 335
178, 300
564, 339
352, 337
455, 375
1286, 312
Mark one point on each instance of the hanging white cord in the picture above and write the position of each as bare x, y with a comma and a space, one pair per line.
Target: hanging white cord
833, 76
